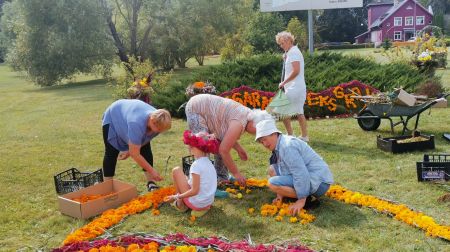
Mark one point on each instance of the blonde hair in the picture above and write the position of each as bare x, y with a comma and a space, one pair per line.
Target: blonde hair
284, 36
162, 119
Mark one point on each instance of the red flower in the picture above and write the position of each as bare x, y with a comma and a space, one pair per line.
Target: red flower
203, 141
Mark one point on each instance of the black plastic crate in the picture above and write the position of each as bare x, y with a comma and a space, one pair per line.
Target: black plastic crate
434, 167
392, 144
187, 162
73, 180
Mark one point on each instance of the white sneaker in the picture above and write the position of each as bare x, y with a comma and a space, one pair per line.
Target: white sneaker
304, 139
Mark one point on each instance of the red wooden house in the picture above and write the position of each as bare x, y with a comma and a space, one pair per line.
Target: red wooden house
395, 20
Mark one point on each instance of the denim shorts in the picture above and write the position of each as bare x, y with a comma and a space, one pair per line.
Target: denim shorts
289, 181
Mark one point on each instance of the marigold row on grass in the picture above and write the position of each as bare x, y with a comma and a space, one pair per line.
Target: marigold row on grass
280, 210
400, 212
113, 216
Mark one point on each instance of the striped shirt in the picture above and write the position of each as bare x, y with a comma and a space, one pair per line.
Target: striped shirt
217, 112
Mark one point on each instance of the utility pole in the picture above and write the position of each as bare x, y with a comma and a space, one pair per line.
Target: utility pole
310, 32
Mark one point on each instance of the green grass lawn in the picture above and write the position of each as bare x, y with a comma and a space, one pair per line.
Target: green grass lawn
44, 131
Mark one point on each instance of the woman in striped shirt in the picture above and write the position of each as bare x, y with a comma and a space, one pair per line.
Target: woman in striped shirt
227, 120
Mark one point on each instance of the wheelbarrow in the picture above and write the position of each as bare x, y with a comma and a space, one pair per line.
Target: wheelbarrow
369, 118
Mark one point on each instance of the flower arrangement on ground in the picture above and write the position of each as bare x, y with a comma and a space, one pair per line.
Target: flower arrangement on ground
200, 87
139, 81
430, 50
141, 89
175, 242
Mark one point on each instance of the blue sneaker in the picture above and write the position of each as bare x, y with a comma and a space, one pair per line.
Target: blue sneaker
221, 194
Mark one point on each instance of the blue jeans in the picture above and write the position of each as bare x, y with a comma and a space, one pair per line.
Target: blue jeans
289, 181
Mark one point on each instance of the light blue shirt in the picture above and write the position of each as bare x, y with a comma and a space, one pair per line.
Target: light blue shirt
127, 121
297, 159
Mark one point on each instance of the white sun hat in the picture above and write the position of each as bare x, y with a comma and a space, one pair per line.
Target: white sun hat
265, 128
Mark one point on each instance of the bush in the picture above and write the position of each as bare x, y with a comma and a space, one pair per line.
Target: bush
330, 46
431, 88
386, 44
322, 71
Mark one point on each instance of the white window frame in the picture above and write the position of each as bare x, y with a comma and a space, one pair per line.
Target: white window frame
398, 33
398, 21
423, 20
409, 18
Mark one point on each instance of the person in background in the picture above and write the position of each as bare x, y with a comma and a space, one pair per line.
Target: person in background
128, 128
293, 82
197, 192
296, 170
227, 120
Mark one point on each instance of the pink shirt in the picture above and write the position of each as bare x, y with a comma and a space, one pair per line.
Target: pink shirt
217, 112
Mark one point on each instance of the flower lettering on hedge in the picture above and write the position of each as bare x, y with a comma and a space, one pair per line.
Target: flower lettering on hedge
328, 100
250, 97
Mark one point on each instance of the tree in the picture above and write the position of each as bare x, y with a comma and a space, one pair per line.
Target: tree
300, 32
343, 24
54, 39
3, 39
261, 31
235, 47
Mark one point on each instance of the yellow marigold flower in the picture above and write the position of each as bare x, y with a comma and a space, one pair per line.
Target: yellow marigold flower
251, 210
248, 191
293, 220
278, 218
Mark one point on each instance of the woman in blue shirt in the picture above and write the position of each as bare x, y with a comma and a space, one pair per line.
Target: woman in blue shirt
128, 128
296, 170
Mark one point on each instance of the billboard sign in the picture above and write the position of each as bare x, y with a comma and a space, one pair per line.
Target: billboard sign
290, 5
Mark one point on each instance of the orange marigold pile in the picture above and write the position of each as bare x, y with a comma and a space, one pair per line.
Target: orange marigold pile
85, 197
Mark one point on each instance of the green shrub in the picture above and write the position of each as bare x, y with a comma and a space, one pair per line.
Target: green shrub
171, 97
386, 44
343, 46
322, 71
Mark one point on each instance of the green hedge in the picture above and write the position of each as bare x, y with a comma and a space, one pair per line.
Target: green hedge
344, 46
322, 70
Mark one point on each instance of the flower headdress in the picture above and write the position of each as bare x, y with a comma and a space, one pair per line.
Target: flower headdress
203, 141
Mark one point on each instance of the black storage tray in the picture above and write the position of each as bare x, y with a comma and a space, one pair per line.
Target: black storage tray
390, 144
434, 167
73, 180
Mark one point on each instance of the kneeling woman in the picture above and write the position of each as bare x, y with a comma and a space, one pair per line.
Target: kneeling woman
197, 192
296, 170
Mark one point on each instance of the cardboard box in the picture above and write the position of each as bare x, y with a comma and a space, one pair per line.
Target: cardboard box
404, 98
122, 193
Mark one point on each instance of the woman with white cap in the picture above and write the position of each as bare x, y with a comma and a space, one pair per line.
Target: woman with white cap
296, 170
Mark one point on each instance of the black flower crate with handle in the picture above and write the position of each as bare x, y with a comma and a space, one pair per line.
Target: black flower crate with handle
73, 180
434, 167
187, 162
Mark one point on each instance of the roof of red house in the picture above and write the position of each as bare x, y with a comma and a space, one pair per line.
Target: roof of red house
391, 11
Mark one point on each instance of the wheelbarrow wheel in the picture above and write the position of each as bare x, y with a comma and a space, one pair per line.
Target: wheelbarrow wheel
368, 124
